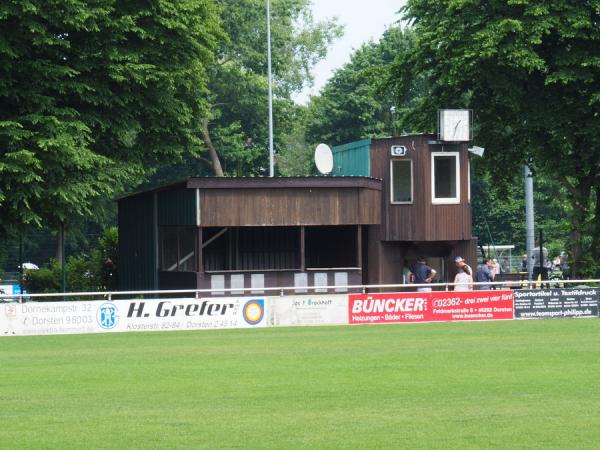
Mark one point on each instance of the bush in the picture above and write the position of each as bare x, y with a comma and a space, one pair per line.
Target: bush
87, 272
109, 251
44, 280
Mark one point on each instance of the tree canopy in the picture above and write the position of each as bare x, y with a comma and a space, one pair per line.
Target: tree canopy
237, 128
356, 103
530, 70
95, 94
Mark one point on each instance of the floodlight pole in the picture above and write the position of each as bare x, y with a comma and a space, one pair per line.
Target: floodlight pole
271, 153
529, 218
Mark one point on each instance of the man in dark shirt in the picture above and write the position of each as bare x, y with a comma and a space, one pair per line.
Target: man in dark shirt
485, 274
423, 274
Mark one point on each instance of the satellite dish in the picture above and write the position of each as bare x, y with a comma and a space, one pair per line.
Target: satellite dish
324, 159
477, 150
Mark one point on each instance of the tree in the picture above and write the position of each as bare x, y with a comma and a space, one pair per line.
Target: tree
356, 103
94, 95
498, 211
91, 271
530, 71
295, 156
236, 133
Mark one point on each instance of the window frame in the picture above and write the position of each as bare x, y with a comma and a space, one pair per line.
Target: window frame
412, 182
468, 180
445, 200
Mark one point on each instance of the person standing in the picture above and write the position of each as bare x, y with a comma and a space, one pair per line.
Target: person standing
423, 274
463, 281
524, 263
462, 265
505, 267
540, 258
496, 269
485, 274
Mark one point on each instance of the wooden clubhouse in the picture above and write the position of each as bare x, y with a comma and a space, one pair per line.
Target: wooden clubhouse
386, 202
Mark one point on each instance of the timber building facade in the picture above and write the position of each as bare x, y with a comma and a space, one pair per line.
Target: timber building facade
386, 202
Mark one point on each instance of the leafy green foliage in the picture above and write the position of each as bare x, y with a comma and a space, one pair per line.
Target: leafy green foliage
238, 125
356, 103
530, 71
46, 279
498, 212
93, 271
94, 95
108, 260
295, 157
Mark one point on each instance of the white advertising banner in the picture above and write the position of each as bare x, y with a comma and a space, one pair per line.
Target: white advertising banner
34, 318
309, 310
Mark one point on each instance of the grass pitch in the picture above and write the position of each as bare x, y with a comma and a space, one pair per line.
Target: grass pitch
528, 384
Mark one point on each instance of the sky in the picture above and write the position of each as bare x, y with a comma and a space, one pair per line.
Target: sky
363, 21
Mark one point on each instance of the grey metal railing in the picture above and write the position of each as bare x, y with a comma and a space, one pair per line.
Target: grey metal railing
293, 290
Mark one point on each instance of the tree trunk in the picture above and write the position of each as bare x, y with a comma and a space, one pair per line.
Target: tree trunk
212, 152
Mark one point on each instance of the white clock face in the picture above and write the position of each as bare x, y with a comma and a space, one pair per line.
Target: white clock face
455, 125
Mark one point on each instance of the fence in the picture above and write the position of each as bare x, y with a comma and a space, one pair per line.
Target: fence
290, 290
96, 312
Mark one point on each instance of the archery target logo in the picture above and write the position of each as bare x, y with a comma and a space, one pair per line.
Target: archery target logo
254, 311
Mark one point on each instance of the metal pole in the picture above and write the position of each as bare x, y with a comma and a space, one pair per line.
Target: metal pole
63, 259
271, 152
529, 217
542, 259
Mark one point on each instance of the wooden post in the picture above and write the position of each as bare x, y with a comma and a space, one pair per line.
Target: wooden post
302, 248
230, 249
199, 256
359, 246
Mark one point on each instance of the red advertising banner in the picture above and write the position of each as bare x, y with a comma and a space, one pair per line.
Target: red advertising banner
430, 306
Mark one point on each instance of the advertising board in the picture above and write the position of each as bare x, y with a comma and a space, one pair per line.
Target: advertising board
130, 315
556, 303
10, 289
309, 310
430, 307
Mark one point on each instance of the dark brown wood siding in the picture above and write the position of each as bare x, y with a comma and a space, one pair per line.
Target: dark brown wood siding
289, 206
422, 220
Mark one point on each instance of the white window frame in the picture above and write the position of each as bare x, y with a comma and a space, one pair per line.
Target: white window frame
469, 179
449, 200
412, 183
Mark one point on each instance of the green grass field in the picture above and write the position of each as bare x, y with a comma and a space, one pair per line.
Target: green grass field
528, 384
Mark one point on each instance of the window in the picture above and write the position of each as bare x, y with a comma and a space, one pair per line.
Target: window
331, 247
445, 179
251, 248
178, 249
402, 185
